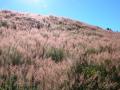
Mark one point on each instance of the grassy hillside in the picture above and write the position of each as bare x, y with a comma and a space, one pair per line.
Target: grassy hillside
54, 53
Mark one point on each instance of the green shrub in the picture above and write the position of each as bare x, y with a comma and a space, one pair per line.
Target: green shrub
96, 77
90, 70
56, 54
109, 29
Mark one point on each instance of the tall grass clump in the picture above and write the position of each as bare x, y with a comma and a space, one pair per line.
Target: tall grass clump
10, 56
56, 54
11, 83
3, 24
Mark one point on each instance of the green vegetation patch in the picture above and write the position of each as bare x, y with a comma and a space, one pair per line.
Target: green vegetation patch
56, 54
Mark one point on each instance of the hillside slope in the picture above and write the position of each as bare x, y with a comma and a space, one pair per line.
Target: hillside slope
54, 53
27, 21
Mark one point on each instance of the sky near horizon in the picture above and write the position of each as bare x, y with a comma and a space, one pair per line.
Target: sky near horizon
103, 13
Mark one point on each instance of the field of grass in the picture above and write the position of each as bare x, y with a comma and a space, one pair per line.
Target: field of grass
54, 59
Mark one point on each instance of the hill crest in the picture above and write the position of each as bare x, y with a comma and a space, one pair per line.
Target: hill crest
27, 21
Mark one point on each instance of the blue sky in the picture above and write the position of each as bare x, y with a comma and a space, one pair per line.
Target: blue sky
103, 13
